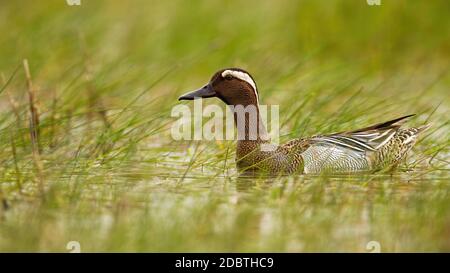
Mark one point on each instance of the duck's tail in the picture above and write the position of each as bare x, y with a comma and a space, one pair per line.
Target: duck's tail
391, 154
423, 128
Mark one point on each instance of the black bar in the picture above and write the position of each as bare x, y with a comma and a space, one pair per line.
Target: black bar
224, 262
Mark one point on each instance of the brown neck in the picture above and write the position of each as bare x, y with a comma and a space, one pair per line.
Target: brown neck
249, 124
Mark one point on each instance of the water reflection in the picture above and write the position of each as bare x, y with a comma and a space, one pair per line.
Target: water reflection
246, 184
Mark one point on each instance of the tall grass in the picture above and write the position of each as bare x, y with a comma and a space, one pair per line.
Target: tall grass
86, 152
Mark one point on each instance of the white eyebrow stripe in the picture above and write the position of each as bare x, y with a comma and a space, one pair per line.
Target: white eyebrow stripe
242, 76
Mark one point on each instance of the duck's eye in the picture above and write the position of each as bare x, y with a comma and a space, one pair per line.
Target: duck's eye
228, 77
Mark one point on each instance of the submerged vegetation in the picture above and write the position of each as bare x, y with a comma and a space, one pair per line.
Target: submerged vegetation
86, 152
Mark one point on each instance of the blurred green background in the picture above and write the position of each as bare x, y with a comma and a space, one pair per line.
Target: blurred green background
107, 73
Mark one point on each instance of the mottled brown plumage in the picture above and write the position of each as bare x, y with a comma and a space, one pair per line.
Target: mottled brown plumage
380, 146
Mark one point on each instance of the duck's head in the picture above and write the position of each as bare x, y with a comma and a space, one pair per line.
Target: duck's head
234, 86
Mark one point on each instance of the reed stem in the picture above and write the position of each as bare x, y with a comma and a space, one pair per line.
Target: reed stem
34, 128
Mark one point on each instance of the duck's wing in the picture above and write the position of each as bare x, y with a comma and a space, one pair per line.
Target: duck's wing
366, 139
348, 151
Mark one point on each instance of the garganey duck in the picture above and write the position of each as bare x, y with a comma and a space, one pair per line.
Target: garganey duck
380, 146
